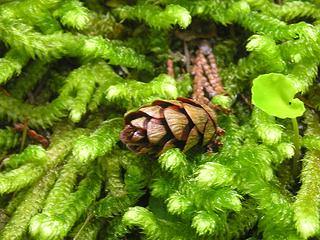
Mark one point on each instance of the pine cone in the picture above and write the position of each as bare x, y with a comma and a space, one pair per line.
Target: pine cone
181, 123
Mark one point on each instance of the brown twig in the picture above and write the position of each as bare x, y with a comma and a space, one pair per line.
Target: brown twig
211, 69
206, 82
2, 89
198, 82
170, 67
23, 127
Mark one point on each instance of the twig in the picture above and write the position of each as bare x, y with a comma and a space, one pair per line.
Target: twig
206, 82
23, 127
170, 67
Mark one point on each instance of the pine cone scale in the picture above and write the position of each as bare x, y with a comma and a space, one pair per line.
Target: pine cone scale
181, 123
138, 135
210, 129
176, 121
211, 114
193, 138
155, 131
153, 111
167, 103
199, 116
140, 122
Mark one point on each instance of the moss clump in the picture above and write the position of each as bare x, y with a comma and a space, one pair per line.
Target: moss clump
70, 70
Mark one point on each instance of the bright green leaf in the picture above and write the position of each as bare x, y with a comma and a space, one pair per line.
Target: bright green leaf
274, 94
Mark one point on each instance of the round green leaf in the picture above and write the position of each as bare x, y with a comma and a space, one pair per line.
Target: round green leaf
274, 94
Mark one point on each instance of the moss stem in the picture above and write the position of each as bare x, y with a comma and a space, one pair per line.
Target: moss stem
297, 145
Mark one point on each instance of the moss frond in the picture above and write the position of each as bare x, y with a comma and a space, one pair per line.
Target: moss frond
306, 206
132, 93
99, 143
15, 201
8, 139
206, 223
106, 77
175, 161
155, 17
57, 222
19, 178
127, 192
80, 85
267, 129
38, 116
32, 154
267, 53
62, 187
27, 80
154, 228
66, 70
73, 14
213, 174
288, 10
240, 222
32, 203
56, 45
12, 64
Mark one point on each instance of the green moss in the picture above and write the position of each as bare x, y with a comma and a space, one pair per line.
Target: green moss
70, 70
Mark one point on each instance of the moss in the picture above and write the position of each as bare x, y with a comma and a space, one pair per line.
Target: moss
70, 70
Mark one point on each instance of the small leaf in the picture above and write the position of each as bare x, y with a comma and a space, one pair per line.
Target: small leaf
274, 94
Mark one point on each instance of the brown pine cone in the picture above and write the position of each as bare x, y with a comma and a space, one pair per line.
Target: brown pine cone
180, 123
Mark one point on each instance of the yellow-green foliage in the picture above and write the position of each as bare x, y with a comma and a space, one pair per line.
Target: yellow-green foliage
70, 70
